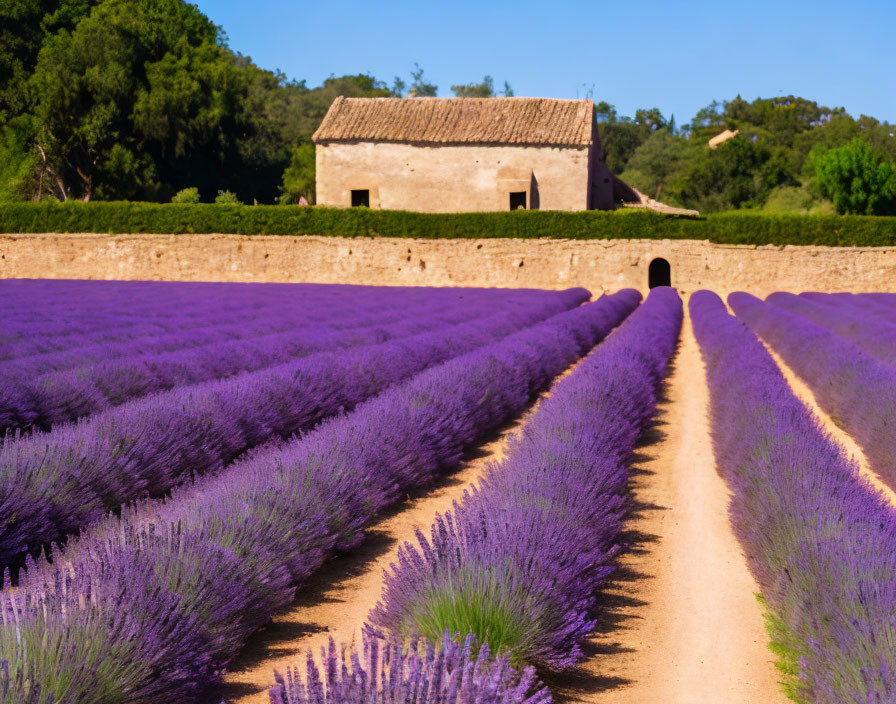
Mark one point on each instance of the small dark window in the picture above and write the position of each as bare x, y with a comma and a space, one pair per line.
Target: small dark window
659, 273
518, 200
361, 198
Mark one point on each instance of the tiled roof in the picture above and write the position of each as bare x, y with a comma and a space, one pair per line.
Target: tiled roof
541, 121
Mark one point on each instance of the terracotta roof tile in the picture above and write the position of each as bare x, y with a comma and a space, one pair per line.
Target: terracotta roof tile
544, 121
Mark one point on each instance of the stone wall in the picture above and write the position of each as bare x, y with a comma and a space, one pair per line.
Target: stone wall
452, 179
596, 264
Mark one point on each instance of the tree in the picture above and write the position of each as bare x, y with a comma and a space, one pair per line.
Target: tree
739, 173
420, 87
24, 24
485, 89
21, 176
131, 86
857, 178
663, 157
621, 136
299, 177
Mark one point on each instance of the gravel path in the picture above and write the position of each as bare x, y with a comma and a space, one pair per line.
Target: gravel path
683, 624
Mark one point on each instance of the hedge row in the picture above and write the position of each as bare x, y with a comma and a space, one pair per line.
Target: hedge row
725, 228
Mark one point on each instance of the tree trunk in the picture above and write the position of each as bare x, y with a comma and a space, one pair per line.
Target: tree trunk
62, 191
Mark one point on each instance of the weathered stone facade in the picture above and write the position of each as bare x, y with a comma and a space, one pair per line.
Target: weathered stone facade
456, 178
600, 265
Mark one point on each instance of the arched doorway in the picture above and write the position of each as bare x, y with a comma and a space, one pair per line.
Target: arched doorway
659, 273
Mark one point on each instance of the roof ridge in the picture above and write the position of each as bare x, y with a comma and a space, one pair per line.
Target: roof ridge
432, 120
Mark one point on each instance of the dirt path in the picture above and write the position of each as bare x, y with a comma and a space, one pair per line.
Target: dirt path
336, 601
804, 394
684, 625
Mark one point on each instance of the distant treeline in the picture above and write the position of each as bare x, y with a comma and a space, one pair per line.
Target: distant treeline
789, 155
124, 100
748, 227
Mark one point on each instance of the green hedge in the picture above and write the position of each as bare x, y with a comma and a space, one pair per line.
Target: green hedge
725, 228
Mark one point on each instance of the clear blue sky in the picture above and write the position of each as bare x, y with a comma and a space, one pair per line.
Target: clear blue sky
677, 56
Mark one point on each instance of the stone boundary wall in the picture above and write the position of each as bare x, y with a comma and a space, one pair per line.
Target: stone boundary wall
600, 265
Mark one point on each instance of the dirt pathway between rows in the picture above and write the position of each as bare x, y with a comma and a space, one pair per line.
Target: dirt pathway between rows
844, 439
683, 625
337, 599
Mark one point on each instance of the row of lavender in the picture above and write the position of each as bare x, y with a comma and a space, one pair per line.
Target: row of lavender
45, 400
163, 308
857, 318
56, 483
151, 606
517, 564
820, 542
852, 385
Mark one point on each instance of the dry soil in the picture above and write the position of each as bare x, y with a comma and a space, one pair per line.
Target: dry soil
683, 625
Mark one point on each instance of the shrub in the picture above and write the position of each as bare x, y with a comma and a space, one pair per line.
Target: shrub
187, 195
227, 198
724, 228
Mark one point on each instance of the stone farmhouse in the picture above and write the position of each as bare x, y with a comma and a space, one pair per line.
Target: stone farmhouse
441, 155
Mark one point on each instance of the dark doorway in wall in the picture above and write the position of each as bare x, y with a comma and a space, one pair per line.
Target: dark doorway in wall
360, 198
659, 273
518, 200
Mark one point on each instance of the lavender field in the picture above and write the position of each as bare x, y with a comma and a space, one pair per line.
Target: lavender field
303, 493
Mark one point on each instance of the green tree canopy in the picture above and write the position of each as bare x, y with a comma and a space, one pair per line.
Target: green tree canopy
858, 178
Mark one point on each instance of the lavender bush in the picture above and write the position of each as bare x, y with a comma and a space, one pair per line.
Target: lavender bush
153, 604
819, 540
856, 389
56, 483
157, 308
853, 323
294, 305
392, 674
518, 562
53, 398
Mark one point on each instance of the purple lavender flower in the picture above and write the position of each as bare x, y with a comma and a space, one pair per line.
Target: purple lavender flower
58, 482
389, 673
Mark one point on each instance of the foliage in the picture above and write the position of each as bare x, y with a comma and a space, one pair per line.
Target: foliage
739, 173
771, 152
226, 198
485, 89
858, 178
299, 177
20, 173
186, 195
655, 167
420, 87
141, 101
621, 136
729, 228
